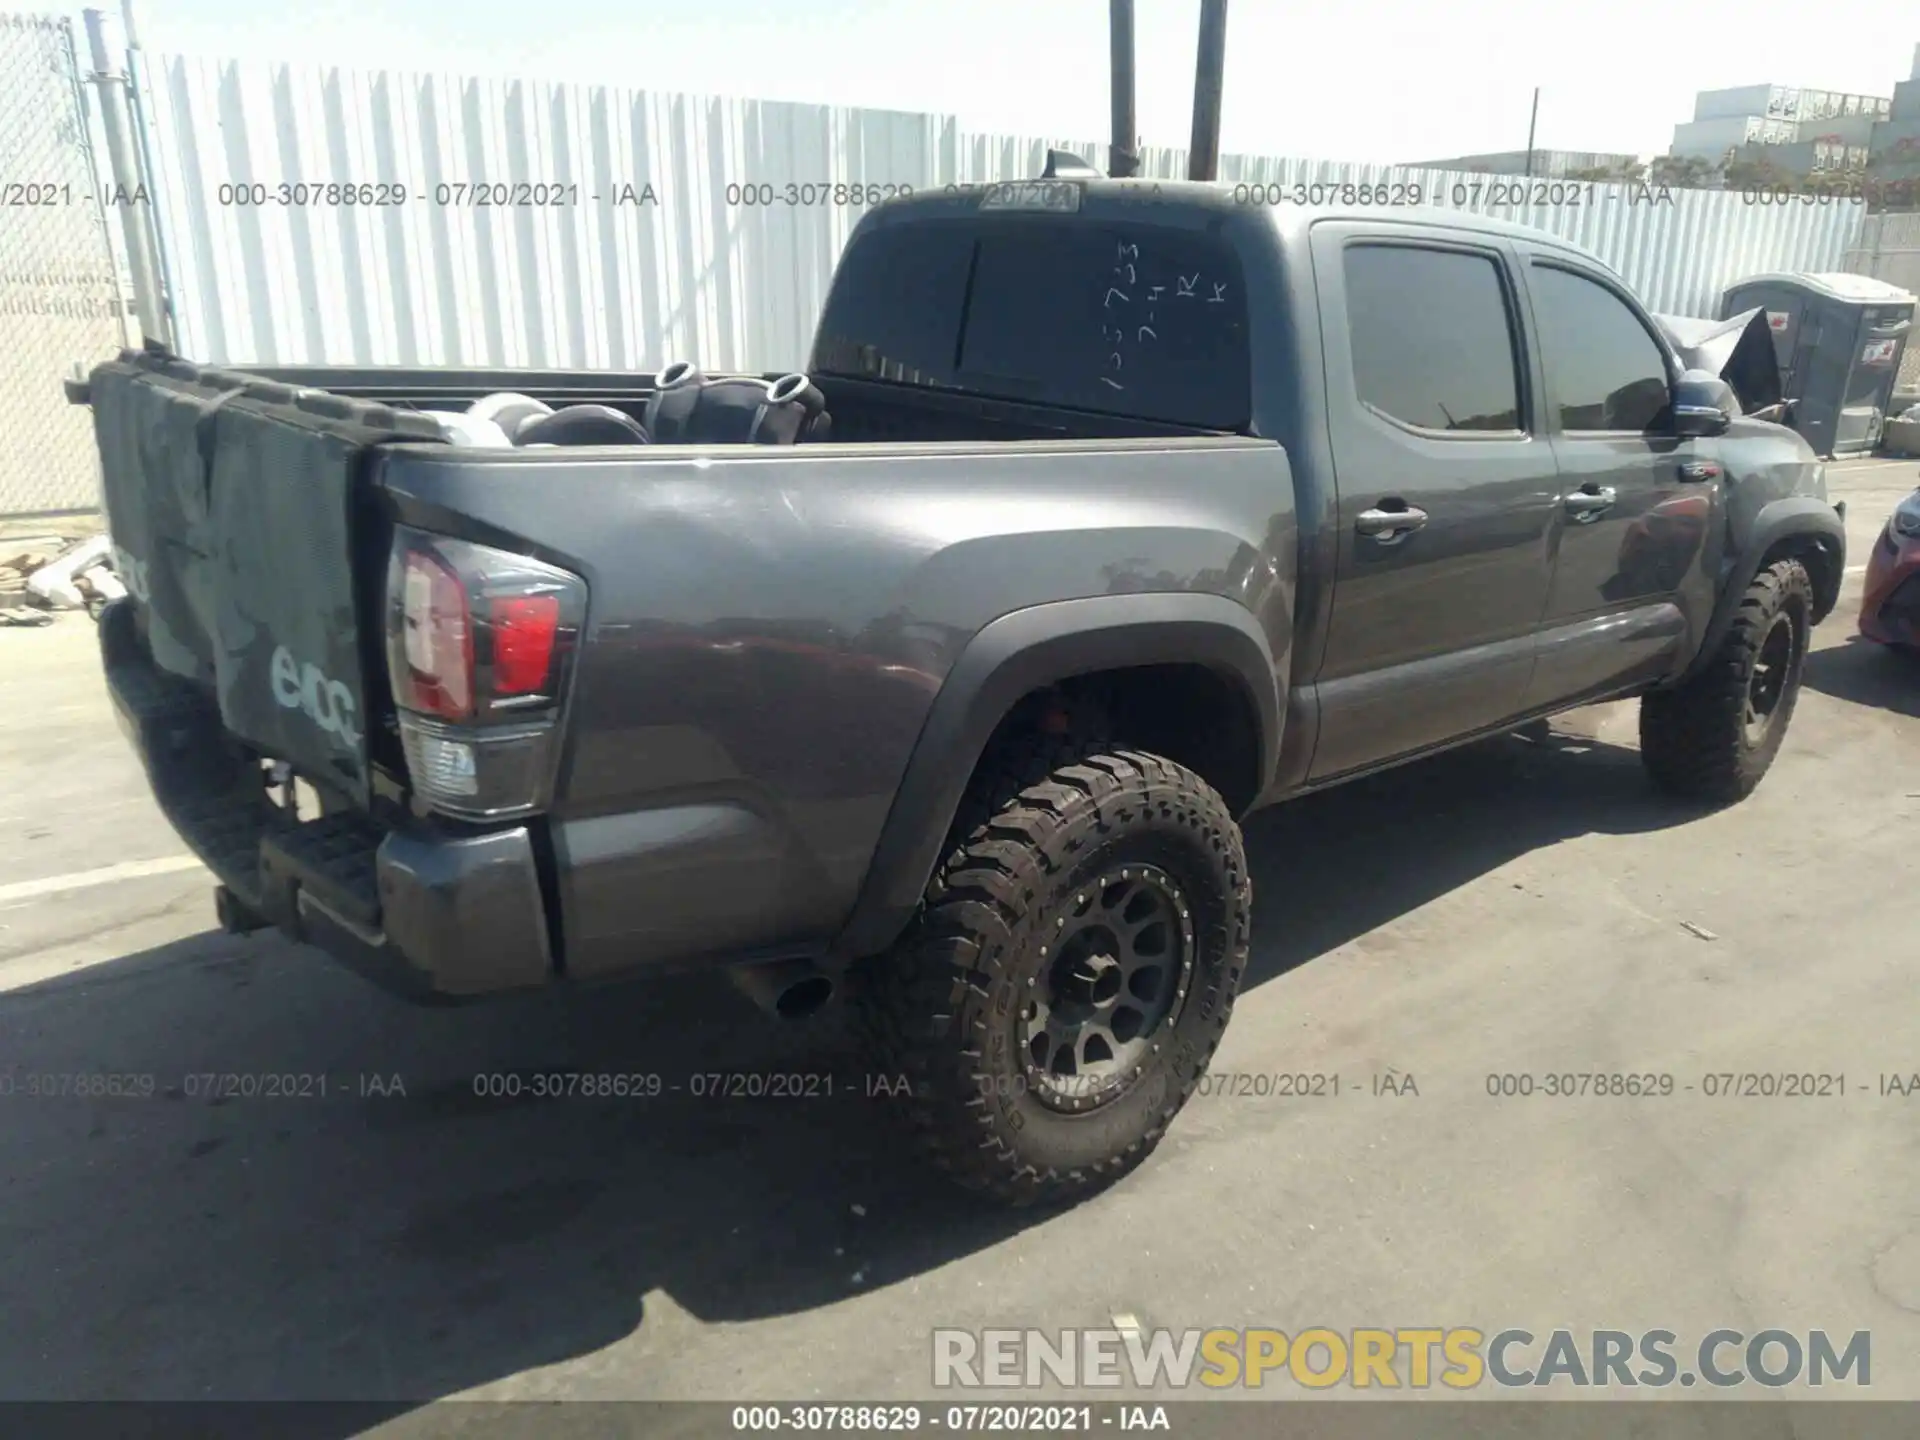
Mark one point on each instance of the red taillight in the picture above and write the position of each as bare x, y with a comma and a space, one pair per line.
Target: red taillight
480, 645
437, 676
524, 630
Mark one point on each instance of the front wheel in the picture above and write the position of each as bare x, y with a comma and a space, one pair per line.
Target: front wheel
1713, 737
1068, 979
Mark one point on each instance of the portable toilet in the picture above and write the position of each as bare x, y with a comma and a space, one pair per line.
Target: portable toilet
1838, 339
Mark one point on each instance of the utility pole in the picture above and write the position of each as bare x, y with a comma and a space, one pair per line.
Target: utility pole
136, 210
1532, 120
1203, 153
149, 173
1123, 157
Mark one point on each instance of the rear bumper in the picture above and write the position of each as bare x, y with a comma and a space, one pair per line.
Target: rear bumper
426, 914
1890, 602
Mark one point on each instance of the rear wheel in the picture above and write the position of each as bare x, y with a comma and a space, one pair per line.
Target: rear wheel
1069, 977
1715, 736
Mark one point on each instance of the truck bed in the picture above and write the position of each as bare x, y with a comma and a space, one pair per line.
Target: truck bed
863, 411
243, 502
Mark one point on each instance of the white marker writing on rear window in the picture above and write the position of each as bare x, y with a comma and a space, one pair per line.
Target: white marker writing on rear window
1147, 332
1125, 272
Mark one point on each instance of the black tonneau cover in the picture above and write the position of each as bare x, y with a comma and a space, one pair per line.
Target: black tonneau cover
231, 503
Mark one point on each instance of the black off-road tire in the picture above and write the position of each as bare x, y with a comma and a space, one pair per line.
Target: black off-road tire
945, 1007
1696, 739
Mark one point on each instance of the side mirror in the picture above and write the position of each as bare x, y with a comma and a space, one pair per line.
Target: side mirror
1703, 405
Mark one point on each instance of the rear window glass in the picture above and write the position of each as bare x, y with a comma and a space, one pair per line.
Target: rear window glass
1128, 320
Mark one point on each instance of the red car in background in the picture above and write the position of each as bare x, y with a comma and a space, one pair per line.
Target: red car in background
1890, 609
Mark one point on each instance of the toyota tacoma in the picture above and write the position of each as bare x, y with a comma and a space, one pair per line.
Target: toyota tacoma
1104, 513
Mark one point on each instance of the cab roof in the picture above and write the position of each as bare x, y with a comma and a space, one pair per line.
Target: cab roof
1196, 202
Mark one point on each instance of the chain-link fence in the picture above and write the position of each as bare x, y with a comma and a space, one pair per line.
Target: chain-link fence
60, 296
1888, 249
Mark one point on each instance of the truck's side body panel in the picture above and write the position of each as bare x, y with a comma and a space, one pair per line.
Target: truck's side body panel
1432, 628
768, 632
1289, 407
1637, 535
1028, 650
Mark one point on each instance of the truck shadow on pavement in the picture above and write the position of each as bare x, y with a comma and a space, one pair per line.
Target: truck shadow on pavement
1338, 864
1866, 674
397, 1248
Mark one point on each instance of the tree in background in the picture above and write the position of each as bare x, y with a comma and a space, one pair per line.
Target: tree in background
1885, 188
1688, 172
1631, 173
1761, 175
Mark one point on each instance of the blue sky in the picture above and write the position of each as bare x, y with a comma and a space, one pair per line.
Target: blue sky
1380, 80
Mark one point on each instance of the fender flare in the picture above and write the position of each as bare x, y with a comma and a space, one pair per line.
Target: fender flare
1789, 517
1007, 659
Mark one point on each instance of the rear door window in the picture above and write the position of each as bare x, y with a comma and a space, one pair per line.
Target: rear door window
1143, 321
1433, 338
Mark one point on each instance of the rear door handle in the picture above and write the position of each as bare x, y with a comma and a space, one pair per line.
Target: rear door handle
1590, 502
1696, 472
1389, 527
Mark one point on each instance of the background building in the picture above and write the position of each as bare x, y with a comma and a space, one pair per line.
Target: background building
1895, 146
1794, 130
1549, 164
1823, 156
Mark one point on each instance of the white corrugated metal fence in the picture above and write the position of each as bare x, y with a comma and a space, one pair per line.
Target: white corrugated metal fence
643, 227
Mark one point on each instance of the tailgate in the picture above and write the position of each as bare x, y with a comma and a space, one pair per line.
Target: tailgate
233, 504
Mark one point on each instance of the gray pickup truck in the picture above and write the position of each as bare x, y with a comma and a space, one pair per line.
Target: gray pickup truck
1105, 513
